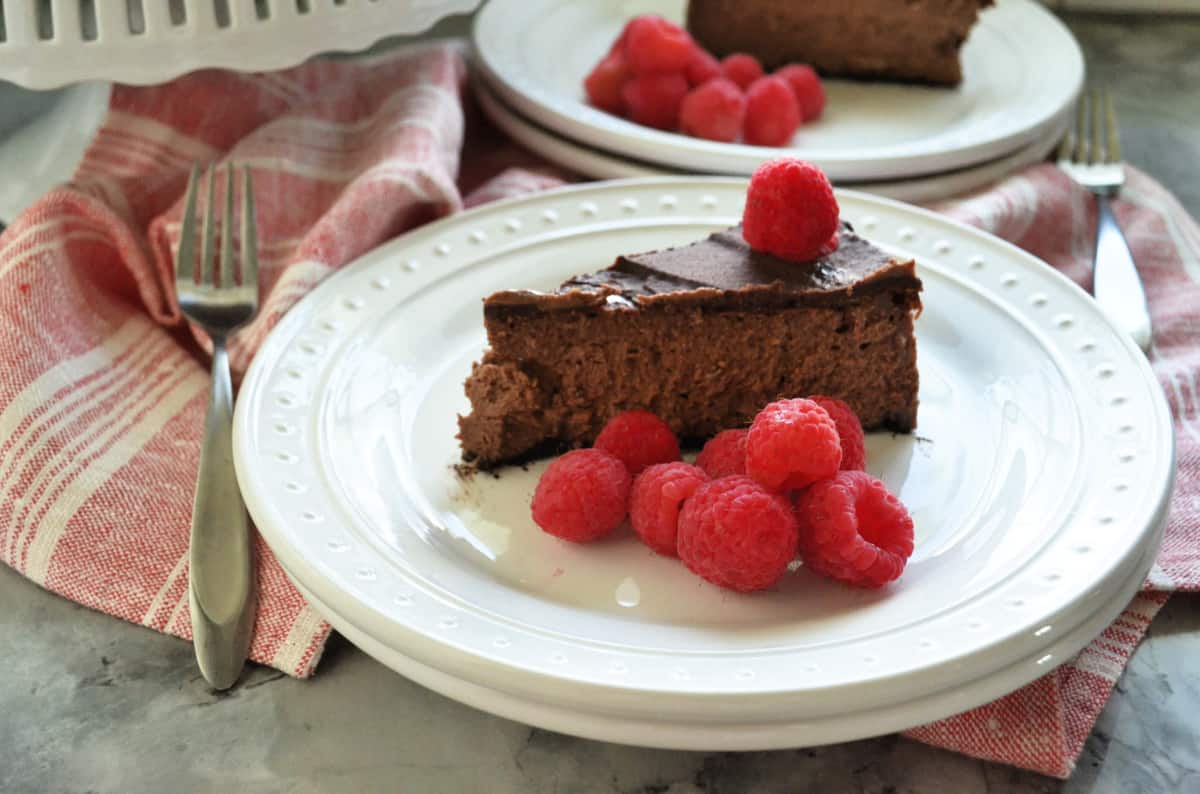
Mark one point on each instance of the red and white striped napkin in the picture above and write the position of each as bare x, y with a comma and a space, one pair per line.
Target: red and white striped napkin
104, 389
1044, 725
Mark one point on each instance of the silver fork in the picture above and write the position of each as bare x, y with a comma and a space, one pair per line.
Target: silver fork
221, 585
1091, 155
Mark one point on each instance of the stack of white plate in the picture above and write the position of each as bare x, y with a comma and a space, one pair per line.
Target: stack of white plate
1022, 71
1038, 482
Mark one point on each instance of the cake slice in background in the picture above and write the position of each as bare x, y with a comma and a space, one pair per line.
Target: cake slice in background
900, 40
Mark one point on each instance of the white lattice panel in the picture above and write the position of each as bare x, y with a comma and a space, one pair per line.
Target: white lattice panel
49, 43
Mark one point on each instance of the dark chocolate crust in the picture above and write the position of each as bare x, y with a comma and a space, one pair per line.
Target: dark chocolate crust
703, 335
901, 40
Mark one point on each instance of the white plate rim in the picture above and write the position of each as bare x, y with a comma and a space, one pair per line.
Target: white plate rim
778, 734
599, 164
350, 589
576, 120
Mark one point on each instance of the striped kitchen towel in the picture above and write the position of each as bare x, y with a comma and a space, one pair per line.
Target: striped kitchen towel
1044, 725
104, 389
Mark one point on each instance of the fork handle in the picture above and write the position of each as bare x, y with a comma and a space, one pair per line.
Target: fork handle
221, 586
1115, 281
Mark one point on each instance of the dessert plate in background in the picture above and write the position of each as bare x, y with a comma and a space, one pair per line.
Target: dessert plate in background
598, 164
1022, 71
580, 158
1038, 481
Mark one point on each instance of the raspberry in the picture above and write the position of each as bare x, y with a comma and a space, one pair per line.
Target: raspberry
638, 439
829, 246
806, 85
653, 99
714, 111
792, 443
652, 44
724, 454
854, 530
736, 534
701, 67
850, 432
741, 68
603, 83
772, 114
658, 493
582, 495
619, 42
790, 209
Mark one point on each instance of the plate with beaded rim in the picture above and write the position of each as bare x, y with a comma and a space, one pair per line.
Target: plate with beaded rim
1038, 480
1022, 70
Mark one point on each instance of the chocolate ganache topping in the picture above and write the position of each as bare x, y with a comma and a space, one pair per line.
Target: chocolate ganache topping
724, 263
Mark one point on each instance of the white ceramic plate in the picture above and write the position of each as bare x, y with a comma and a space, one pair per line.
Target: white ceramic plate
765, 734
603, 165
1022, 71
1038, 482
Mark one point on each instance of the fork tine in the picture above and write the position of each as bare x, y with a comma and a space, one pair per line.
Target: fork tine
1081, 141
227, 229
1097, 148
206, 243
1067, 144
187, 232
1113, 148
249, 233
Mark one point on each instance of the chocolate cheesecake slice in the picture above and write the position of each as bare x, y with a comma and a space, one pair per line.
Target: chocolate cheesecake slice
902, 40
703, 335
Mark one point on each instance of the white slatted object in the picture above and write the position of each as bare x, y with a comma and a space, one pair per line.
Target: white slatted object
51, 43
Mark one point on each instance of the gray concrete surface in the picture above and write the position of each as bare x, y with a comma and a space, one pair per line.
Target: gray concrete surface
91, 704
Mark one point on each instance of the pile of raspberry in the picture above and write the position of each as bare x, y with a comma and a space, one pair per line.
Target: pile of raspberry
790, 486
655, 74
